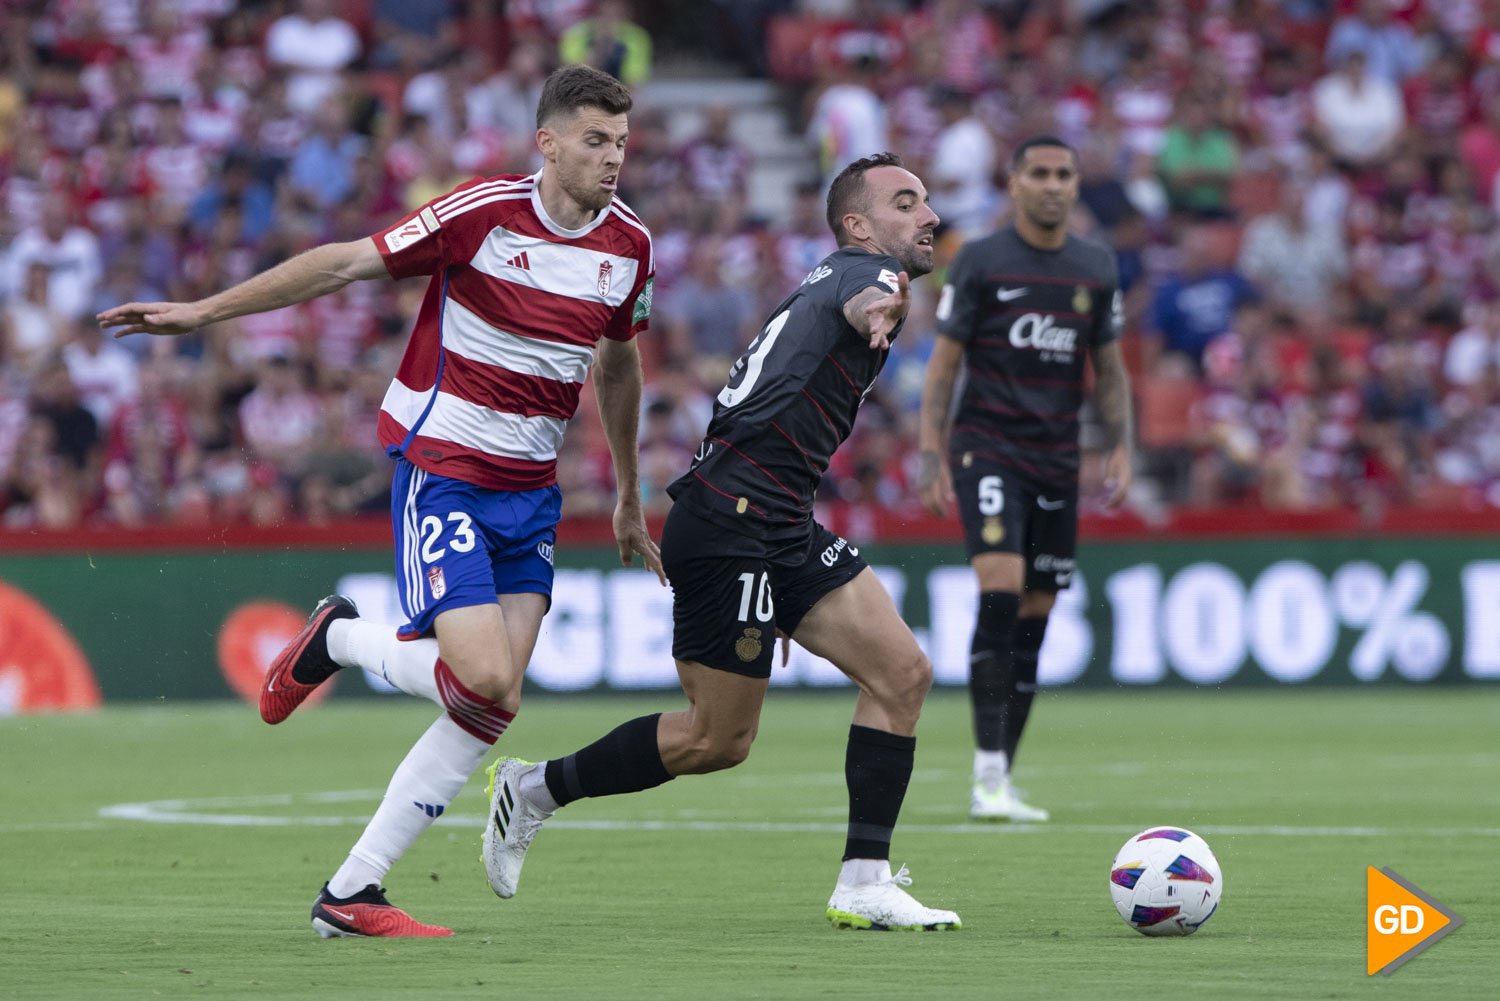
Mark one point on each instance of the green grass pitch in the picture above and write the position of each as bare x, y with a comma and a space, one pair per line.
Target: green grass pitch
714, 886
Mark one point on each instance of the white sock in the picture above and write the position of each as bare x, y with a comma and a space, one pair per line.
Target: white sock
425, 783
859, 871
374, 647
991, 768
534, 787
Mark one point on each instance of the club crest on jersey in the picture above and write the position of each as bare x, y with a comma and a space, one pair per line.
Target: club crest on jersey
436, 584
747, 647
1082, 300
993, 532
817, 274
606, 270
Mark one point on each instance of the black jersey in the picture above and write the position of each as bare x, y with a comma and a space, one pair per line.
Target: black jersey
789, 403
1027, 317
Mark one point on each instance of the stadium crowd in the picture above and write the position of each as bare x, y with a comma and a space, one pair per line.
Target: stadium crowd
1301, 194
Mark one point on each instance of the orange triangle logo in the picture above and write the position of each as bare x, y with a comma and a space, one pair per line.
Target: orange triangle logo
1400, 921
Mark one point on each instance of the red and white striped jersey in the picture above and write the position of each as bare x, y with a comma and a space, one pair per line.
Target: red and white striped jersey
505, 336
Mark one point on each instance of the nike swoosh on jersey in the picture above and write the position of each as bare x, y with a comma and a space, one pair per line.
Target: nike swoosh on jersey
1051, 505
1007, 294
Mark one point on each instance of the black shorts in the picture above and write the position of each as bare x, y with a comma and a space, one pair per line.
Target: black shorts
731, 593
1003, 513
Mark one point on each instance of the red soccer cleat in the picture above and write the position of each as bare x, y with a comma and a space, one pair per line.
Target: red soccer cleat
305, 657
367, 914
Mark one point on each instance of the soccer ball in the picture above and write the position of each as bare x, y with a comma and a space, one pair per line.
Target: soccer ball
1166, 881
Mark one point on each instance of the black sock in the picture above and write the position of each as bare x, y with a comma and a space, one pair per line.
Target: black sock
877, 767
990, 666
624, 760
1028, 646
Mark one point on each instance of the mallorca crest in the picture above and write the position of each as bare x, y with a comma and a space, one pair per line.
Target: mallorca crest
606, 269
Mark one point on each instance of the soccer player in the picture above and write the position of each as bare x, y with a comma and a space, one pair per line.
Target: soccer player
746, 558
1021, 307
534, 279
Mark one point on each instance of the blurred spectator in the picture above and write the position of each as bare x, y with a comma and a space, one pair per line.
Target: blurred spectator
1294, 264
69, 252
168, 53
1279, 111
103, 372
314, 45
1480, 148
148, 447
1360, 115
708, 322
234, 185
1198, 303
1475, 348
279, 419
1439, 105
1197, 160
1400, 418
609, 41
32, 330
322, 171
1390, 50
848, 119
75, 434
1142, 101
510, 95
960, 175
968, 37
868, 30
714, 166
408, 32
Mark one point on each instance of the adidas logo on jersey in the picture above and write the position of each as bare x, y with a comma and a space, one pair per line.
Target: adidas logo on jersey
519, 261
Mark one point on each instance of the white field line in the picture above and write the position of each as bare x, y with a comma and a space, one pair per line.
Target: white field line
204, 812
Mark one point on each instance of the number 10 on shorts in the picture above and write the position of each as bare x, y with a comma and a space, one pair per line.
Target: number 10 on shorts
757, 586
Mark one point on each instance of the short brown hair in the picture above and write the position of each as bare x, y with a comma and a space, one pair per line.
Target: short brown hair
847, 192
574, 87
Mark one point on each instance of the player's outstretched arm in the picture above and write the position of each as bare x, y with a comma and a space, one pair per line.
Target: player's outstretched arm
934, 481
1112, 398
874, 311
617, 385
308, 275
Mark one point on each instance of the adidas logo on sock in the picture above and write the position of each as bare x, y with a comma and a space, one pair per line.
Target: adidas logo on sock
431, 809
519, 261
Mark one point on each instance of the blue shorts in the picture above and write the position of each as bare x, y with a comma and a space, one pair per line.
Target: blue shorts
459, 545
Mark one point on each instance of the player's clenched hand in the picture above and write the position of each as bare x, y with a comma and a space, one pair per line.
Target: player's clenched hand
887, 311
632, 537
169, 318
935, 484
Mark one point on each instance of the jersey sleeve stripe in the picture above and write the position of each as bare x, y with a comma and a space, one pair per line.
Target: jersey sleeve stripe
450, 214
458, 198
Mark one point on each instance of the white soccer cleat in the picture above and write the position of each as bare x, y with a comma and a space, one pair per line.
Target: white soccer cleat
513, 822
1002, 802
884, 906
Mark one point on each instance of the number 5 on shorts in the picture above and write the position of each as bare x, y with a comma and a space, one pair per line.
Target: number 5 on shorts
991, 496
